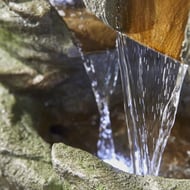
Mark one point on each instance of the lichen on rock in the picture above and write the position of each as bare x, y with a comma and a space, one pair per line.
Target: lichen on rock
27, 44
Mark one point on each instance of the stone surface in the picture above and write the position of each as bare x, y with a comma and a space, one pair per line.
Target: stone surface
84, 171
35, 47
24, 157
43, 63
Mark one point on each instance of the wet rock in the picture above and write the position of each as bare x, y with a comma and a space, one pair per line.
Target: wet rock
25, 161
37, 56
43, 63
84, 171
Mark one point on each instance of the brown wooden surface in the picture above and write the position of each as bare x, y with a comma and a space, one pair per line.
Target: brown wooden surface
135, 16
167, 33
159, 24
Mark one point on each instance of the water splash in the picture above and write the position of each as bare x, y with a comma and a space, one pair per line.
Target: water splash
151, 86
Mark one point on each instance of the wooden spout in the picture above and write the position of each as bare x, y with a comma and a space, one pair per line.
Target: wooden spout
159, 24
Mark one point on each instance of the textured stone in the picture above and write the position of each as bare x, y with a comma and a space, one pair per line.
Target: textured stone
32, 37
84, 171
24, 157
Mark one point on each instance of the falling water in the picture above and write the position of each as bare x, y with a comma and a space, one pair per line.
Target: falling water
151, 87
103, 71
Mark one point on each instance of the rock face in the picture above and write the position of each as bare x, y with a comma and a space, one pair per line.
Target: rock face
84, 171
35, 48
42, 61
25, 161
39, 67
26, 43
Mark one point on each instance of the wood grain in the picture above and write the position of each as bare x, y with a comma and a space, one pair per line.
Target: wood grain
135, 16
167, 32
159, 24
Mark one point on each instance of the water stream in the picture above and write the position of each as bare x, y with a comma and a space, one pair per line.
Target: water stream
102, 70
103, 79
151, 87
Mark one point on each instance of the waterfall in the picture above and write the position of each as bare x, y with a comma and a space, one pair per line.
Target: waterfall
102, 70
151, 85
151, 88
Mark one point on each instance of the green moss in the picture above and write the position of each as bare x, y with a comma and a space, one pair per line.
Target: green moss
100, 187
26, 158
10, 40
